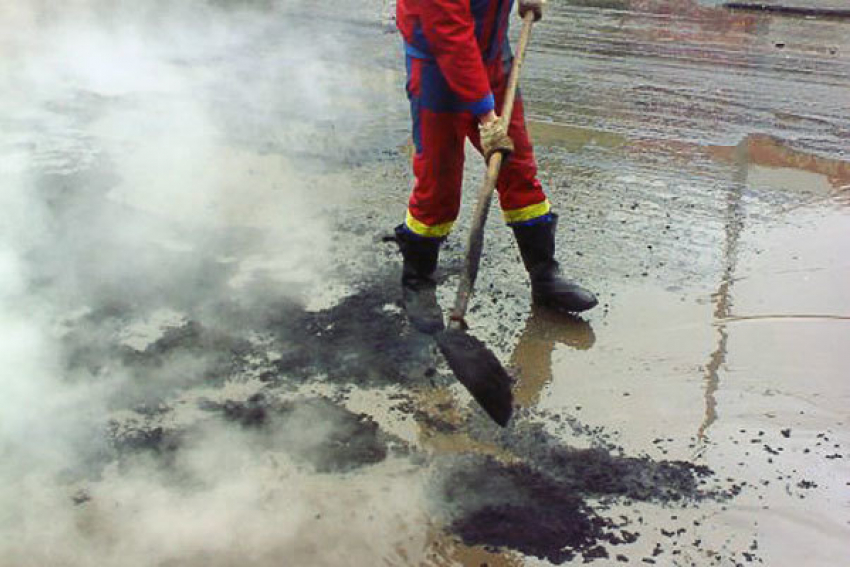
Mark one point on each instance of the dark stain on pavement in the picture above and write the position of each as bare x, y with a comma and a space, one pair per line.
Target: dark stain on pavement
538, 502
535, 500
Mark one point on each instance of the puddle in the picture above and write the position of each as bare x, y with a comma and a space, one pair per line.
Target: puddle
735, 368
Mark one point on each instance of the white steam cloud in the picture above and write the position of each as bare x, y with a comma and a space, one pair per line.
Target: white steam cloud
155, 161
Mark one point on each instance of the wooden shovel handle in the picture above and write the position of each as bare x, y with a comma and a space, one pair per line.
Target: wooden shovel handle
482, 206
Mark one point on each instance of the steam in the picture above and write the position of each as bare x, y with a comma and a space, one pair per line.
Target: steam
158, 163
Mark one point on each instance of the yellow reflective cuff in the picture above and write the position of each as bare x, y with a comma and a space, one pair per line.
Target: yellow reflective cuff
527, 213
422, 229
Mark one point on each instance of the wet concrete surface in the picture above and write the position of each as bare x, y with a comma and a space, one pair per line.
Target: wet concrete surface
203, 254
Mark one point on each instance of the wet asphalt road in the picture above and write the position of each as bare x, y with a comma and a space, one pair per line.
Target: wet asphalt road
207, 363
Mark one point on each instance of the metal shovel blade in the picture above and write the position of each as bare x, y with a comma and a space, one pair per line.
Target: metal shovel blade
479, 371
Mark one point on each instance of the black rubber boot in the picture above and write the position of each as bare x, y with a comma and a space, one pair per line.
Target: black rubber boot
418, 287
548, 288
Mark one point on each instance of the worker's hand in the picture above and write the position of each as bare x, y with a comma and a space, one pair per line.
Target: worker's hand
494, 137
535, 6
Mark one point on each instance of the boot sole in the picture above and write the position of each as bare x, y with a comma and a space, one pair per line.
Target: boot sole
556, 305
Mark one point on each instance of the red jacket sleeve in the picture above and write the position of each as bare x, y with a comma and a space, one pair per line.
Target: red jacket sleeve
450, 30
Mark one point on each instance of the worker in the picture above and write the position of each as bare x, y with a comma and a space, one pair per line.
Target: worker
458, 61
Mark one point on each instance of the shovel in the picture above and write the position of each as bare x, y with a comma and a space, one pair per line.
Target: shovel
473, 364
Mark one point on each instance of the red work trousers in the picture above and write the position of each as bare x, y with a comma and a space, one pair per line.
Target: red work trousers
441, 124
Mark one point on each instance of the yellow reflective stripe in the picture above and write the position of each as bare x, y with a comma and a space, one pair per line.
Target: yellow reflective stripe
527, 213
422, 229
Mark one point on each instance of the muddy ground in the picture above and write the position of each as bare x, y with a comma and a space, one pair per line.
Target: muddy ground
206, 363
